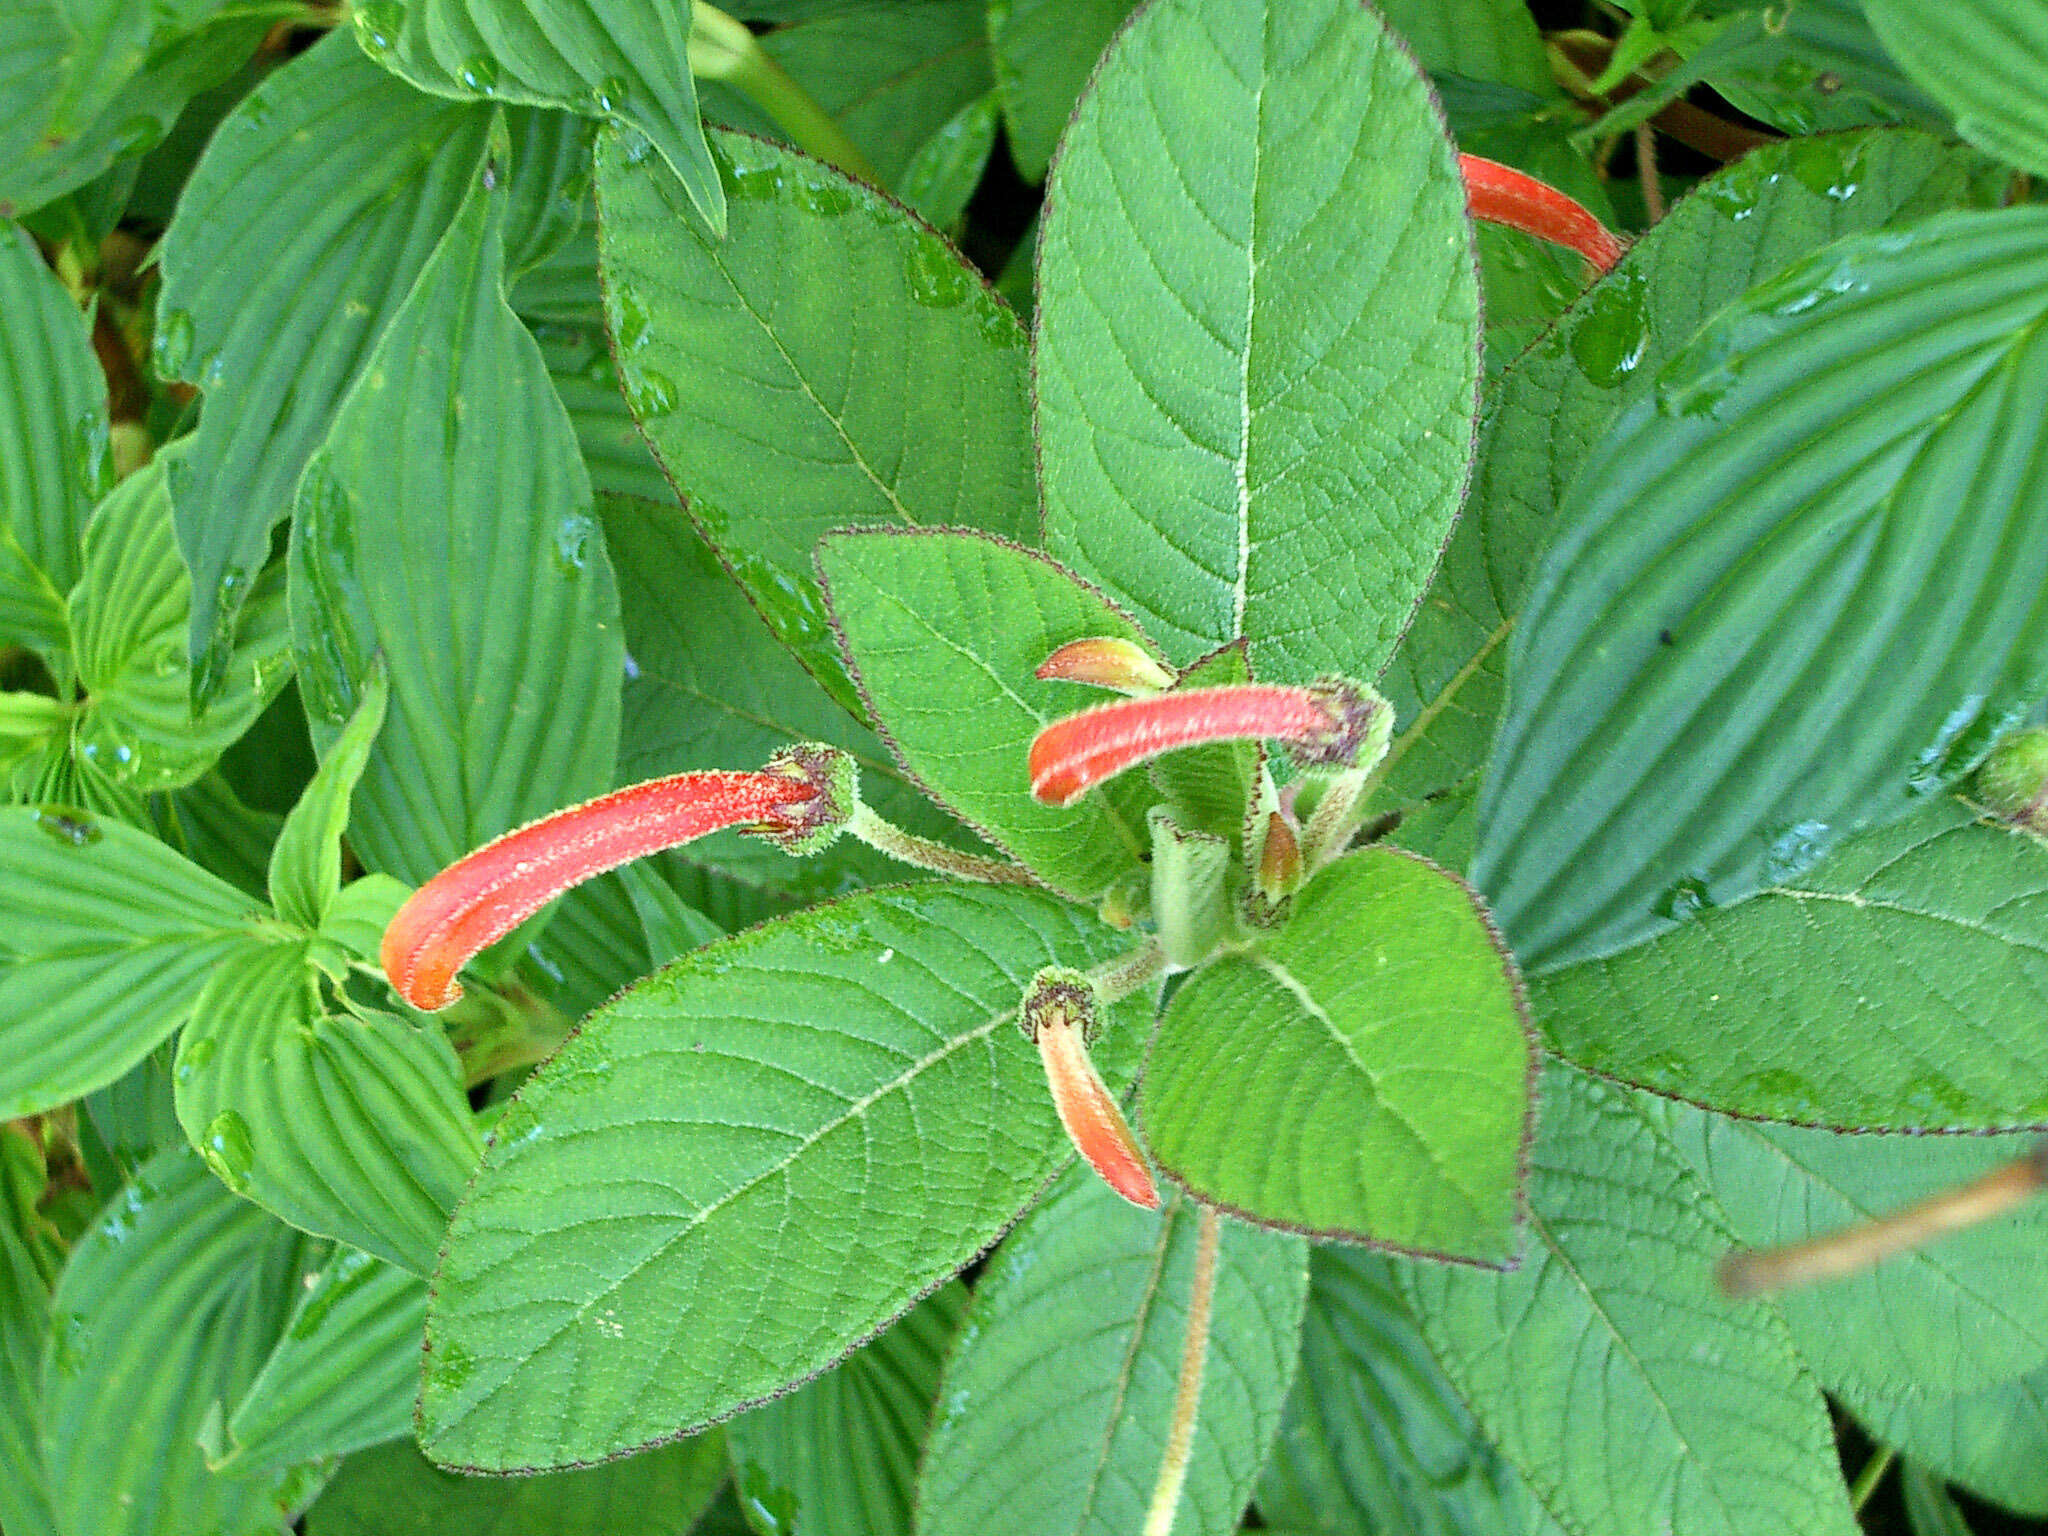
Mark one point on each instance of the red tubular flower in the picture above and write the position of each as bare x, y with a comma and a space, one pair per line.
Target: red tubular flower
1059, 1016
1325, 724
479, 899
1502, 195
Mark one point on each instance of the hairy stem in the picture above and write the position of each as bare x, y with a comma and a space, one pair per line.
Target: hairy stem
924, 853
1180, 1438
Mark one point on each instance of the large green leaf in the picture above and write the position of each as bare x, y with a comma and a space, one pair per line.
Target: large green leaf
1820, 554
128, 617
24, 1332
346, 1126
1363, 1073
122, 936
1899, 984
942, 628
1056, 1405
305, 865
684, 1211
343, 1374
1628, 1394
314, 208
170, 1304
448, 523
1374, 1437
782, 409
1993, 1442
838, 1456
1815, 67
623, 60
1490, 40
1777, 204
53, 416
1044, 52
1976, 58
394, 1491
1956, 1316
1258, 325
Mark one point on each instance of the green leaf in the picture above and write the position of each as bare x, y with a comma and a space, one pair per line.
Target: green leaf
344, 1371
448, 523
888, 387
24, 1333
757, 1075
1546, 414
550, 188
1820, 68
170, 1304
1363, 1073
1374, 1437
626, 61
53, 413
1606, 1368
1896, 985
1993, 1442
1821, 550
394, 1491
1056, 1404
1973, 57
1258, 325
948, 166
1954, 1316
1929, 1509
838, 1456
361, 911
715, 690
128, 617
1493, 40
941, 627
293, 246
305, 865
1043, 52
587, 379
125, 933
209, 823
346, 1126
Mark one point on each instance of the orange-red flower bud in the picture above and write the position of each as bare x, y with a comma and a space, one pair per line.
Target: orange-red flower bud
1059, 1015
1107, 663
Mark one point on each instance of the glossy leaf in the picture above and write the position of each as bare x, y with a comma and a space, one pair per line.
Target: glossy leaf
448, 523
1958, 1315
1044, 51
1775, 205
1257, 349
780, 411
839, 1455
170, 1303
1835, 511
709, 1135
1363, 1073
53, 414
943, 626
348, 1127
1375, 1437
293, 247
394, 1491
626, 61
1972, 56
125, 934
942, 176
1055, 1406
343, 1374
1628, 1394
1898, 984
305, 866
24, 1332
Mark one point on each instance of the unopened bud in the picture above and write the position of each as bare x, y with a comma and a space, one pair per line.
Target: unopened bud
1060, 1015
1106, 662
2014, 780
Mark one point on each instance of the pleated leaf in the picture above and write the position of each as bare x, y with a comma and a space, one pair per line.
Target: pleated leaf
1055, 1407
1974, 57
24, 1331
316, 205
1043, 52
1899, 984
1820, 554
781, 410
124, 933
626, 61
343, 1374
1258, 322
683, 1212
1364, 1073
346, 1126
169, 1305
53, 416
1607, 1369
839, 1455
448, 523
305, 865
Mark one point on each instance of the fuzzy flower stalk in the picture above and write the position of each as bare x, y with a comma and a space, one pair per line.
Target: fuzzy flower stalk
1500, 194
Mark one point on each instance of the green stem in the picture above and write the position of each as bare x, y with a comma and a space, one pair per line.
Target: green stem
721, 48
1872, 1474
1117, 979
499, 1029
1180, 1437
925, 853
